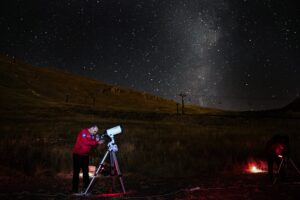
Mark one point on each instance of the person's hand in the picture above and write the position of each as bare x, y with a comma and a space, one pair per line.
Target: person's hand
100, 141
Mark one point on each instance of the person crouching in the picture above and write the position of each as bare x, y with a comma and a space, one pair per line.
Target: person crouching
278, 150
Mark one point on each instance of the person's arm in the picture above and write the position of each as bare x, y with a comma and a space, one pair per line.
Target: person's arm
88, 140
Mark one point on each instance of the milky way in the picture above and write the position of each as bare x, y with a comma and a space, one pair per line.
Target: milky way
239, 54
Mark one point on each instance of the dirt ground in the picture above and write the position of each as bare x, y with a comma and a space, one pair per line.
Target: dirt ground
226, 187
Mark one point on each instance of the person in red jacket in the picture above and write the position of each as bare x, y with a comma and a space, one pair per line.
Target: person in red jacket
85, 141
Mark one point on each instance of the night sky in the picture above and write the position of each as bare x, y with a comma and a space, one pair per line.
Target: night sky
229, 54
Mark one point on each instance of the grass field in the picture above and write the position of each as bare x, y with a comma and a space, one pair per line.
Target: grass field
152, 144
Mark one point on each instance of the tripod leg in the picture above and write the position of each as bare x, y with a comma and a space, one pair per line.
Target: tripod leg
112, 173
278, 171
112, 164
96, 172
294, 165
114, 157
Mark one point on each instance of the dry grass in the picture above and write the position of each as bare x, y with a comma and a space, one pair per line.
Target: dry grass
163, 146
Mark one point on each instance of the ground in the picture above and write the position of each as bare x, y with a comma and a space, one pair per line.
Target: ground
230, 186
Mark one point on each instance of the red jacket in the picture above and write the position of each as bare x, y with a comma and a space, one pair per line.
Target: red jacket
84, 142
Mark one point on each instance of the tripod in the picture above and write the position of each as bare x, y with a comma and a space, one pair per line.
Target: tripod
283, 162
112, 149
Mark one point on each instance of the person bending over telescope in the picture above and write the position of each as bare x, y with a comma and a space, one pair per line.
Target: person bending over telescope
278, 150
86, 139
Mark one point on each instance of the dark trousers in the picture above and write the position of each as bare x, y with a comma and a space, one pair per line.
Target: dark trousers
80, 162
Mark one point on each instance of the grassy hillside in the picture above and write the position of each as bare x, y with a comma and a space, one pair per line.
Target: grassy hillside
43, 109
293, 106
23, 84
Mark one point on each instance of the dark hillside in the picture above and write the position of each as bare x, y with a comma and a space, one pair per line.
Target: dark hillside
293, 106
23, 84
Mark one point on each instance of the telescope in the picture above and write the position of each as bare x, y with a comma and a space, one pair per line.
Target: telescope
111, 151
111, 132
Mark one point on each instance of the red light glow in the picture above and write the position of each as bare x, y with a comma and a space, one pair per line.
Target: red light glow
255, 170
117, 194
256, 167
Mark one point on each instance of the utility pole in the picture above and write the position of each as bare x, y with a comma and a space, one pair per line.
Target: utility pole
182, 102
